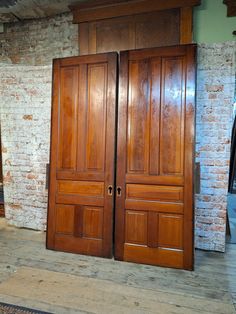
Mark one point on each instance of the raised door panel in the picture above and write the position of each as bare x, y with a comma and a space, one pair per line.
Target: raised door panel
154, 204
154, 29
136, 227
82, 155
158, 29
68, 118
172, 116
96, 117
138, 131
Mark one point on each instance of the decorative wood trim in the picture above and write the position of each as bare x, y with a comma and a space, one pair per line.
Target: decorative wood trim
231, 7
83, 38
186, 25
99, 10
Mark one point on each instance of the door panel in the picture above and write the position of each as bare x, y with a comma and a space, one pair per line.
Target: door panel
154, 204
172, 116
68, 118
138, 139
136, 227
80, 215
96, 117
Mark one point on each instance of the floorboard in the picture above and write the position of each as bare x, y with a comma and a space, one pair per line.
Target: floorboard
56, 282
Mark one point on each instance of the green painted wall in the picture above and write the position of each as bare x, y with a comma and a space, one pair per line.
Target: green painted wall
211, 24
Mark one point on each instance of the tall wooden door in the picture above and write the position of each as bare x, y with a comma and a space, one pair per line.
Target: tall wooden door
154, 203
80, 214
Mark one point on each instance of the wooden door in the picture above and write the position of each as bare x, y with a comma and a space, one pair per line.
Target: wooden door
80, 215
154, 203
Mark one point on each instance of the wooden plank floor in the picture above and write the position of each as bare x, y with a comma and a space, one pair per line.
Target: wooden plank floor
56, 282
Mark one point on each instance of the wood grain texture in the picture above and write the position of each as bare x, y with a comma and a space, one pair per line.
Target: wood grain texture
135, 24
138, 113
186, 25
83, 188
154, 192
2, 210
68, 118
53, 156
172, 117
65, 219
109, 286
136, 227
82, 155
154, 124
154, 206
100, 11
189, 156
170, 231
154, 29
96, 117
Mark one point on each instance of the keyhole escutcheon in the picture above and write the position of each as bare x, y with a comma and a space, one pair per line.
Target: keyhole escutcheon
118, 189
109, 190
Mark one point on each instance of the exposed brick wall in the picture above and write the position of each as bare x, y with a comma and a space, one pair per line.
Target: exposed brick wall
25, 110
25, 102
37, 42
215, 93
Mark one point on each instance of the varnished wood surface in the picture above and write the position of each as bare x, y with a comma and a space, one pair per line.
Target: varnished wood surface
154, 212
106, 26
80, 211
99, 11
56, 282
154, 29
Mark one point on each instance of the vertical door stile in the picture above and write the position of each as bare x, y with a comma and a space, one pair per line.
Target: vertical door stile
154, 216
121, 154
121, 163
80, 213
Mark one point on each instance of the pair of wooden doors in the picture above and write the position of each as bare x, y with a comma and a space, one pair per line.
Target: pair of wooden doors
134, 193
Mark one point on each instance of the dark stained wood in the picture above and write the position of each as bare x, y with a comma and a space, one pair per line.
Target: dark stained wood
80, 210
231, 7
112, 35
154, 29
154, 214
189, 157
186, 25
152, 229
97, 10
172, 117
106, 26
2, 211
67, 150
83, 40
